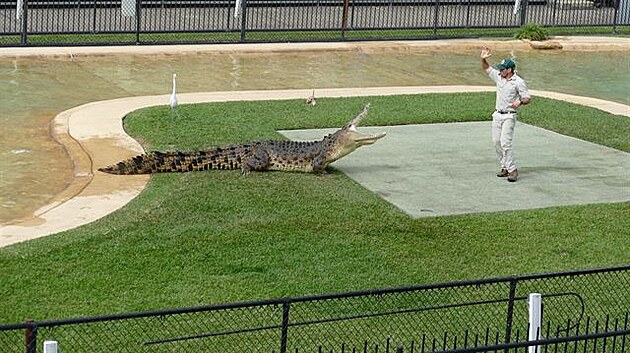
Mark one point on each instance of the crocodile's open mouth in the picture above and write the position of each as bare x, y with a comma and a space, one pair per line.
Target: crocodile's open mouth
365, 139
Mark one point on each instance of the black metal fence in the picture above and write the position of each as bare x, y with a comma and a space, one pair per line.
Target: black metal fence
583, 311
94, 22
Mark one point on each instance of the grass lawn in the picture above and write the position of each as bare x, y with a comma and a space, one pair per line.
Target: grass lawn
215, 237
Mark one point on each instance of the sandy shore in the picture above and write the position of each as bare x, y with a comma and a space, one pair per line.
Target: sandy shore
93, 133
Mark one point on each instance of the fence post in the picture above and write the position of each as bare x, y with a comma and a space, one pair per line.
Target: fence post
94, 14
524, 4
24, 18
435, 18
243, 19
285, 326
344, 18
138, 20
31, 337
535, 316
510, 311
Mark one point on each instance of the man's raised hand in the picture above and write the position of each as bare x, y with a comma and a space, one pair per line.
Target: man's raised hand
485, 53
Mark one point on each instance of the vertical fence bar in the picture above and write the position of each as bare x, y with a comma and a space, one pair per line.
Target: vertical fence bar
510, 311
243, 19
435, 18
524, 5
352, 10
138, 20
23, 36
344, 18
468, 4
31, 337
285, 326
94, 10
623, 338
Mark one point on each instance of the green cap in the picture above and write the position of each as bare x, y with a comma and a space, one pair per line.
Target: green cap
506, 64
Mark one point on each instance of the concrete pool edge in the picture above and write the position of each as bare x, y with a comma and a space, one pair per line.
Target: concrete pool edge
94, 136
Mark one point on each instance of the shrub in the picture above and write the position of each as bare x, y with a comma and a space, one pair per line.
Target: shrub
532, 31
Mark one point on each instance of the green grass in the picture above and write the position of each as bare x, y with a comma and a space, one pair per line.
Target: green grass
215, 237
282, 36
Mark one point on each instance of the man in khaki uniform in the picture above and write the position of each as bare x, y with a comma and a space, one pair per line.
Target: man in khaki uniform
511, 94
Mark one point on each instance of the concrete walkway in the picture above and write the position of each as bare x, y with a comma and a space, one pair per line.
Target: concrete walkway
94, 136
448, 169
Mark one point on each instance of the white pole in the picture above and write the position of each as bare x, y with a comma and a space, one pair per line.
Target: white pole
237, 8
535, 316
517, 6
50, 346
18, 9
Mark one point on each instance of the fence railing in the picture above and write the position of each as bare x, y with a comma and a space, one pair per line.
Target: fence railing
94, 22
582, 310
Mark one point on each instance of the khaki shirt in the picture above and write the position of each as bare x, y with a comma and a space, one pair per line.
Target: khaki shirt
508, 90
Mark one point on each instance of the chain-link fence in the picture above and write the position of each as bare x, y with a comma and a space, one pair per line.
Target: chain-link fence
583, 311
93, 22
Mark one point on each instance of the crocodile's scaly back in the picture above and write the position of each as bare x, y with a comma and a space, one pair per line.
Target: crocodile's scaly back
177, 161
296, 156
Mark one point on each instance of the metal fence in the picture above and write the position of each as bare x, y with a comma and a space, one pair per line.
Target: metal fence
94, 22
583, 311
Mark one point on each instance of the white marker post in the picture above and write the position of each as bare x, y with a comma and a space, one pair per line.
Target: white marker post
535, 316
51, 347
237, 8
517, 6
18, 9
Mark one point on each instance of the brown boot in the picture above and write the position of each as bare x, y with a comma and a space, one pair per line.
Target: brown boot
512, 176
502, 173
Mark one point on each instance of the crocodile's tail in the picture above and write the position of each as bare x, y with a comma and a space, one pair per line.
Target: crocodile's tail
158, 162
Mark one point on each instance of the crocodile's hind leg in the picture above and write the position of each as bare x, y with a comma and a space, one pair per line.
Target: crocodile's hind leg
257, 160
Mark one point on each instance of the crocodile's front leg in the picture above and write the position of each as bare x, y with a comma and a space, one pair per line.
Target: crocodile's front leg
257, 160
319, 164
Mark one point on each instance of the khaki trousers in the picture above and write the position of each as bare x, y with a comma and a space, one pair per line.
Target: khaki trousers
502, 135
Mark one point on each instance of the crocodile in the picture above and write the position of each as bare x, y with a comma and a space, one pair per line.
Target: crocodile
295, 156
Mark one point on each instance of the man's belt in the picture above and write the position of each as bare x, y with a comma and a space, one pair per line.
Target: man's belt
506, 111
